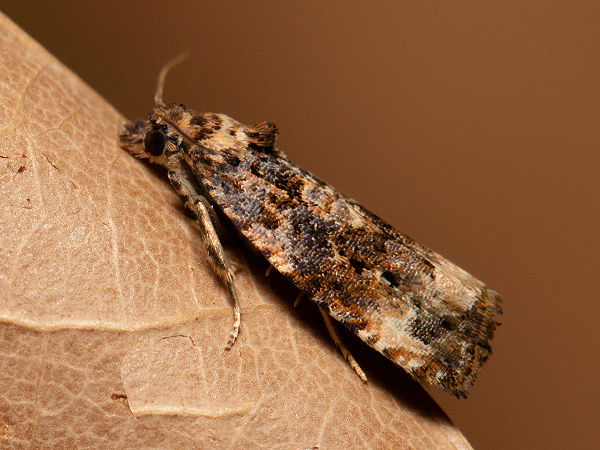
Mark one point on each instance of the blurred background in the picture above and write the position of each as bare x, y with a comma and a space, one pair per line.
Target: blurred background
472, 127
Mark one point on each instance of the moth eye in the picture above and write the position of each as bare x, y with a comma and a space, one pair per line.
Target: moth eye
154, 142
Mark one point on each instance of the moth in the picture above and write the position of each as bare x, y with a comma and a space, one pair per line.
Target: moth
406, 301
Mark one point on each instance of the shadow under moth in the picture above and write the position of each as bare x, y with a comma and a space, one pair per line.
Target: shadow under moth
406, 301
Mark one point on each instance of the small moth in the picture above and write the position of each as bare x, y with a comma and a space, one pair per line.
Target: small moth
409, 303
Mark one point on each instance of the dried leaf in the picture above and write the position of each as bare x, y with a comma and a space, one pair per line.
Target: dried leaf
113, 324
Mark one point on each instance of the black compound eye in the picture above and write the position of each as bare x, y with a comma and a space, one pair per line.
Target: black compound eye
155, 141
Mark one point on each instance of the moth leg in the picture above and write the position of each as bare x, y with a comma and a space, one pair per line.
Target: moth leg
340, 345
201, 209
300, 297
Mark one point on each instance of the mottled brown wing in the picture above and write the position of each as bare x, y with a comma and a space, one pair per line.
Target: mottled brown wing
409, 303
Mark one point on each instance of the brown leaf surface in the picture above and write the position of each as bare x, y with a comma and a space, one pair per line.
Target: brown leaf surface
113, 324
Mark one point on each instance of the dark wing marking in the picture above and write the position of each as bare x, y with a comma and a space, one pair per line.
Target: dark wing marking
409, 303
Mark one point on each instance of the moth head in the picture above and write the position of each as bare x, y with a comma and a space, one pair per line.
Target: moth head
154, 139
151, 139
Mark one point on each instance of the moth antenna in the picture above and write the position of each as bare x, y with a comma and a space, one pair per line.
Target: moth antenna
184, 135
160, 84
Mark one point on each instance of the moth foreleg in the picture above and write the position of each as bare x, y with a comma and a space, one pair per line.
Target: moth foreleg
340, 345
202, 211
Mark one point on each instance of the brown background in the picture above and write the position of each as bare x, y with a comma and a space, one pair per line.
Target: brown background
472, 128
